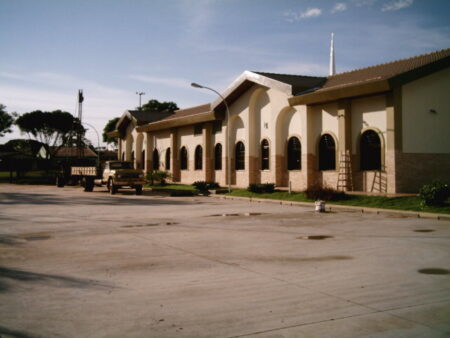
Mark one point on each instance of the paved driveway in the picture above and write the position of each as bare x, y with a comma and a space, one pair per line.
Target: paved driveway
77, 264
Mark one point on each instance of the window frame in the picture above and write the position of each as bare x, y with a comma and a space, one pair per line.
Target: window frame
155, 159
218, 159
370, 155
239, 158
327, 153
198, 158
292, 162
168, 159
265, 154
184, 158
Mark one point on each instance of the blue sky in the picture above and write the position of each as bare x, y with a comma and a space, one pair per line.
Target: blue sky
111, 48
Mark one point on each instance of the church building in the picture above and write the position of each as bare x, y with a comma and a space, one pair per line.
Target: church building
380, 129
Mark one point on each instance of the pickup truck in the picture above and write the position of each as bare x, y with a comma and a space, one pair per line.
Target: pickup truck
115, 174
118, 174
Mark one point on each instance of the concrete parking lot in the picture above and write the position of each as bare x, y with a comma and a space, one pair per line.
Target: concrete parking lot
76, 264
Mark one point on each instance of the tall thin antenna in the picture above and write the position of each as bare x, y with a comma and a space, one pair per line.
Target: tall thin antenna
80, 147
332, 61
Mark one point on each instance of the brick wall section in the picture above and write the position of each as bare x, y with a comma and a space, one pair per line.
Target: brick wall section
254, 171
419, 169
280, 171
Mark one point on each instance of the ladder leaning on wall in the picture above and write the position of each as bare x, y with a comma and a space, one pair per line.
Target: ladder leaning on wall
345, 182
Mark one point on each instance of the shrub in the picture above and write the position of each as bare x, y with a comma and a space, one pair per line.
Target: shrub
434, 194
205, 186
158, 176
317, 192
261, 188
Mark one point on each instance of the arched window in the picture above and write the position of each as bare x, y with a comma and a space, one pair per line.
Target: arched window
183, 158
143, 159
294, 154
370, 151
327, 153
168, 159
265, 155
218, 157
155, 159
240, 156
198, 160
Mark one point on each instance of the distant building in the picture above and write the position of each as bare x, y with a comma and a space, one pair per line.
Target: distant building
377, 129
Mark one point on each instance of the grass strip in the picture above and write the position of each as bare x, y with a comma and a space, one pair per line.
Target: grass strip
409, 203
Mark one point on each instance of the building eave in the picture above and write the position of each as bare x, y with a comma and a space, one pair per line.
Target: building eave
333, 94
180, 122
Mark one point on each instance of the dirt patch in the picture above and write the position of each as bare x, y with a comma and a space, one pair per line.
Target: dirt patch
35, 236
315, 237
300, 259
247, 214
148, 225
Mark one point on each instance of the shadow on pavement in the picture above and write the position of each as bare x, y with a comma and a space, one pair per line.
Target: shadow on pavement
15, 333
9, 274
41, 199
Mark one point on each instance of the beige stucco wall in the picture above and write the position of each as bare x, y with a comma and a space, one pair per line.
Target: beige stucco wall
418, 97
367, 113
187, 139
161, 141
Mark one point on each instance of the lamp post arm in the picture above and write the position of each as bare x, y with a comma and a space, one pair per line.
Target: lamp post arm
98, 141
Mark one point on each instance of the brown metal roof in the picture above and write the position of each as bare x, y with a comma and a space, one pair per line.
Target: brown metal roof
299, 83
181, 113
379, 78
183, 117
383, 71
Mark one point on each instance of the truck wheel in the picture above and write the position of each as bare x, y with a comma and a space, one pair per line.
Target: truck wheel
111, 187
88, 184
138, 190
59, 181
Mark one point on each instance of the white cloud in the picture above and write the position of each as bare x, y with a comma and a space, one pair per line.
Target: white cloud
363, 3
311, 13
167, 81
291, 16
396, 5
339, 7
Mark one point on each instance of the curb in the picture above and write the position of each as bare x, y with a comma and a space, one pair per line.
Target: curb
333, 207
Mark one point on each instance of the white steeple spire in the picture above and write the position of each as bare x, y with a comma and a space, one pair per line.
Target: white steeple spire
332, 63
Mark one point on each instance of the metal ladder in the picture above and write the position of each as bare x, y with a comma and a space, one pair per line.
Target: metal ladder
345, 182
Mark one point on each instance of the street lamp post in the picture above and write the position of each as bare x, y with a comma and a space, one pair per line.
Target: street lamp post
196, 85
140, 94
98, 142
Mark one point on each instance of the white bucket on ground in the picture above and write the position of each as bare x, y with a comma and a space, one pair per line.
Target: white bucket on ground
320, 206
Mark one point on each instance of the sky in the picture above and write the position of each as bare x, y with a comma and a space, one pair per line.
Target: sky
112, 49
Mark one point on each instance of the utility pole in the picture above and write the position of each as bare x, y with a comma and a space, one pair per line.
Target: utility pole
140, 94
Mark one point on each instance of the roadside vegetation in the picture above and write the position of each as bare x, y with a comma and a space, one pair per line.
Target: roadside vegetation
410, 203
28, 177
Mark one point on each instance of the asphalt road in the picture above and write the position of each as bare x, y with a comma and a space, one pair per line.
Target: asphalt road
76, 264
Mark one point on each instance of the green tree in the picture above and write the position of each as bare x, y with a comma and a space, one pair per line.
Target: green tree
110, 126
6, 121
54, 129
155, 105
